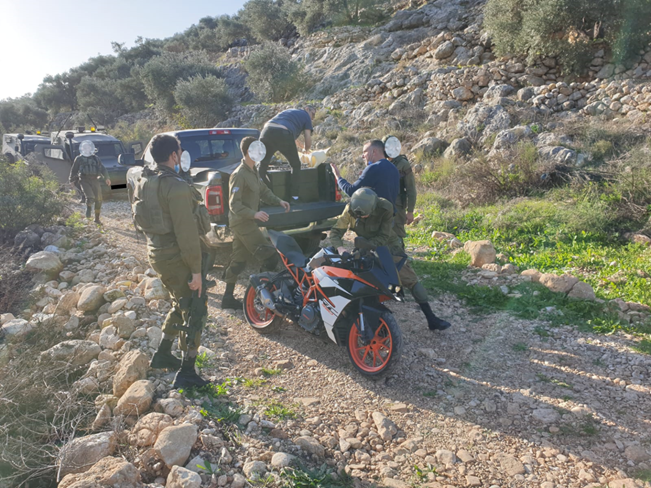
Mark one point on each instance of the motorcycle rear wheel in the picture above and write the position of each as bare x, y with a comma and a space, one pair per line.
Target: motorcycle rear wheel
257, 315
376, 359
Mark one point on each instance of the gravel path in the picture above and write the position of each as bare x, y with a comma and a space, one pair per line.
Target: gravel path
493, 401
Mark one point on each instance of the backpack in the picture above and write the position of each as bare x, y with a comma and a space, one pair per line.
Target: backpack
148, 215
90, 166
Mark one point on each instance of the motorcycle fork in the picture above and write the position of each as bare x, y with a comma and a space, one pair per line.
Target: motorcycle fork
365, 330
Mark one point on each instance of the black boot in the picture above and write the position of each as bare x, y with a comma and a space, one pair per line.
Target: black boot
97, 220
228, 300
163, 358
433, 322
187, 377
89, 211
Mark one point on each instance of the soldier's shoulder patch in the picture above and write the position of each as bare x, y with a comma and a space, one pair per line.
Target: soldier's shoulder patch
236, 189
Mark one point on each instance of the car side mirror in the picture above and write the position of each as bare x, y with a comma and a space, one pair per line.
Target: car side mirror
127, 159
135, 147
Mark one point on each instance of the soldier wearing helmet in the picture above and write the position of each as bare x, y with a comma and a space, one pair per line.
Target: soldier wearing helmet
407, 194
87, 171
371, 217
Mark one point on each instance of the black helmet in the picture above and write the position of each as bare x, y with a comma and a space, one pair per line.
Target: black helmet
363, 202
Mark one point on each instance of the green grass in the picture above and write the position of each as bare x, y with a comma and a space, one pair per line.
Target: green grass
643, 475
271, 371
429, 394
644, 346
520, 347
221, 412
320, 478
275, 409
203, 360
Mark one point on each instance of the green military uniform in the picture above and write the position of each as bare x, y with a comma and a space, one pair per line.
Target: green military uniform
88, 171
378, 229
173, 245
246, 191
406, 201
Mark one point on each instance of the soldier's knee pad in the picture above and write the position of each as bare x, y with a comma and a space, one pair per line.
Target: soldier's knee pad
419, 293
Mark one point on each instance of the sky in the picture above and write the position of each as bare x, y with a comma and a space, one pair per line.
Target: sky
46, 37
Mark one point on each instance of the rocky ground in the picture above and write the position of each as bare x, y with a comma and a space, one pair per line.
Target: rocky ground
493, 401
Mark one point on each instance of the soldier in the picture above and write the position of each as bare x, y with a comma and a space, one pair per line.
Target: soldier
406, 200
281, 134
87, 171
246, 191
168, 211
372, 218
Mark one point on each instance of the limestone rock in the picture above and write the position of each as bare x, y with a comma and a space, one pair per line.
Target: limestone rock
146, 431
16, 327
124, 326
458, 148
136, 400
183, 478
172, 406
511, 465
282, 460
174, 444
582, 290
75, 352
109, 339
91, 298
81, 453
481, 252
311, 445
254, 469
446, 457
445, 50
108, 472
67, 303
154, 290
534, 273
44, 262
463, 94
6, 317
385, 427
27, 239
430, 146
558, 284
484, 120
132, 367
636, 453
546, 415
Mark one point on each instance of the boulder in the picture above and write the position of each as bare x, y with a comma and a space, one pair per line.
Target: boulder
146, 431
511, 465
445, 50
117, 305
636, 453
108, 472
124, 326
583, 291
112, 295
430, 146
132, 367
463, 94
172, 406
282, 460
546, 415
385, 427
481, 252
558, 284
183, 478
498, 91
16, 327
485, 120
136, 400
91, 298
109, 339
558, 154
533, 273
154, 290
458, 148
81, 453
311, 445
66, 303
75, 352
254, 469
27, 239
174, 444
44, 262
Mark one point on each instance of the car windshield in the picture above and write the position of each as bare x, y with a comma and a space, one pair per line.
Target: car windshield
105, 149
209, 148
30, 145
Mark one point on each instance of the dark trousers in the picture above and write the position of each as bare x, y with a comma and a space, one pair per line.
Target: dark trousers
92, 188
277, 139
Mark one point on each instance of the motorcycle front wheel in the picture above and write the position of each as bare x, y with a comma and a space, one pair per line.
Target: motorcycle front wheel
257, 315
376, 358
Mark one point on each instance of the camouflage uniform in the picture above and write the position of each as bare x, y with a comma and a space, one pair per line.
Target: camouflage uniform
87, 172
246, 191
406, 200
378, 229
176, 255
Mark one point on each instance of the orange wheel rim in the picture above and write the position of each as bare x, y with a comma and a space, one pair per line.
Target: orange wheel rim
259, 315
374, 356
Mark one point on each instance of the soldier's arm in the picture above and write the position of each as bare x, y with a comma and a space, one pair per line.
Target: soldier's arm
267, 196
340, 228
367, 178
181, 208
410, 185
74, 171
102, 168
236, 187
384, 234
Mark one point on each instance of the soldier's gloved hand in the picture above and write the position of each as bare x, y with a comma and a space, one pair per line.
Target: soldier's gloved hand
195, 284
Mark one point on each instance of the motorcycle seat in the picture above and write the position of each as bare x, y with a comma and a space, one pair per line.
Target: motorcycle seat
289, 248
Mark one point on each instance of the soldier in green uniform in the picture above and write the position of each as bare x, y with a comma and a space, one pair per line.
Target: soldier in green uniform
167, 209
372, 218
87, 171
246, 191
406, 201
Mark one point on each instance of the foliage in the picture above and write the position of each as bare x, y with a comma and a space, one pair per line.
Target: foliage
20, 114
204, 101
26, 198
567, 28
127, 133
310, 15
266, 20
305, 478
273, 75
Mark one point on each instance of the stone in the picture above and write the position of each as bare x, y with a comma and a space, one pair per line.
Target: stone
102, 417
108, 472
6, 317
385, 427
282, 460
154, 335
533, 273
511, 465
624, 483
309, 401
112, 295
498, 91
82, 453
546, 415
124, 326
27, 239
239, 481
154, 290
136, 400
429, 146
117, 305
174, 444
44, 262
445, 457
395, 483
172, 406
458, 148
481, 252
109, 339
66, 303
16, 328
445, 50
484, 120
91, 298
74, 352
525, 94
558, 284
464, 456
473, 481
463, 94
583, 291
607, 71
86, 386
132, 367
254, 469
311, 445
182, 478
636, 453
146, 430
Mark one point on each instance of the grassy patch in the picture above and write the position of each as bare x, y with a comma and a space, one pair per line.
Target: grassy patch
221, 412
271, 371
305, 478
644, 346
520, 347
643, 475
203, 360
275, 409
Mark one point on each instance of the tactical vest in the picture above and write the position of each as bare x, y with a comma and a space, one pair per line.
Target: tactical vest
147, 212
89, 166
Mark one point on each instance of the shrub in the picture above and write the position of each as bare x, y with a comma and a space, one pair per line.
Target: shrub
273, 75
566, 28
27, 199
266, 20
204, 101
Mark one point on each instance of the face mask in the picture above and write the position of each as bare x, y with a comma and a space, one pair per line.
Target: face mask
87, 149
177, 168
186, 161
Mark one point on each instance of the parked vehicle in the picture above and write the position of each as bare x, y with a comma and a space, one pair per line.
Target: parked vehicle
215, 154
16, 146
342, 296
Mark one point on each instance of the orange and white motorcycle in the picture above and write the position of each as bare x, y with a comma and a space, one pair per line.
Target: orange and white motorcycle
342, 296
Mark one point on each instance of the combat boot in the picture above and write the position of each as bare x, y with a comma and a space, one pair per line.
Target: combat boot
433, 322
229, 302
89, 211
97, 220
163, 358
187, 377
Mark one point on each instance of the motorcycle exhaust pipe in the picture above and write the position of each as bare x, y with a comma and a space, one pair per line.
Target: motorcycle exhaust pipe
267, 299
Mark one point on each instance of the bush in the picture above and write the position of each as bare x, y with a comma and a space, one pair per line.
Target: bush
273, 75
566, 28
204, 101
27, 199
266, 20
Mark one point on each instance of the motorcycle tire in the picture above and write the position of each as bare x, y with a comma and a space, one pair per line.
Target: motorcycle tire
257, 315
376, 359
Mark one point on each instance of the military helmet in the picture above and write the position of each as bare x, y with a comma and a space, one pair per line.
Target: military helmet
392, 146
363, 202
